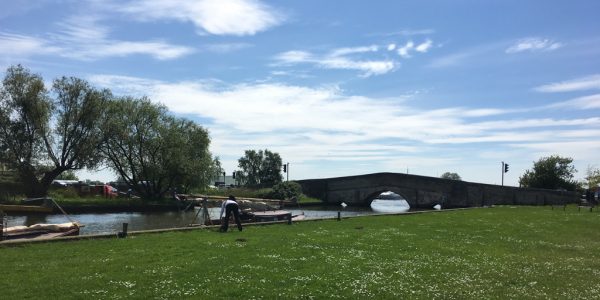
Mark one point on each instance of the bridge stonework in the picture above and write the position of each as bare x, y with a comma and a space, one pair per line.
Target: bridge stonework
424, 192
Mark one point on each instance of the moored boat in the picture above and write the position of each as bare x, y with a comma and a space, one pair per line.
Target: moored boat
25, 208
40, 231
259, 216
32, 205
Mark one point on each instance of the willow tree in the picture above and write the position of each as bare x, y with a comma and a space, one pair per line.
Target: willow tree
42, 133
153, 151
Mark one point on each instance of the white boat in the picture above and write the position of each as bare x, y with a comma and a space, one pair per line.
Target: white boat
40, 231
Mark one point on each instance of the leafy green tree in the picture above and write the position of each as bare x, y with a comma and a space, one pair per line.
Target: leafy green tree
67, 175
260, 168
270, 170
37, 151
553, 172
592, 177
451, 175
154, 152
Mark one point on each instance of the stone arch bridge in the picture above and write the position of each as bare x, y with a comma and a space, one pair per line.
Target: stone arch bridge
424, 192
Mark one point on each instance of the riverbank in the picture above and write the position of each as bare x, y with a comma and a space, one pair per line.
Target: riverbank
502, 252
100, 204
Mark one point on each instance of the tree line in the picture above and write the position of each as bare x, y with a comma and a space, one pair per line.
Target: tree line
73, 125
552, 172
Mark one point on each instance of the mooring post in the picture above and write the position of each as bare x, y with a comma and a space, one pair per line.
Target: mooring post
123, 233
339, 216
1, 225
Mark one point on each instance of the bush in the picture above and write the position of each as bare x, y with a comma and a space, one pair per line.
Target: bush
287, 190
63, 192
265, 193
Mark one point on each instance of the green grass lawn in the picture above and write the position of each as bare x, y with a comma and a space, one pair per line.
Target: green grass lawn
502, 252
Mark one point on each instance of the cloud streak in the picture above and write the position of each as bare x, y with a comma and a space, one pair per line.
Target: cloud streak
582, 103
16, 45
534, 44
580, 84
341, 59
82, 38
326, 116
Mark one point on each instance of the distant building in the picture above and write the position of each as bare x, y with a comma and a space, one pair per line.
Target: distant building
229, 181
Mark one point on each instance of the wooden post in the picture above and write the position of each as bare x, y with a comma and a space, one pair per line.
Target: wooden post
123, 233
1, 225
339, 218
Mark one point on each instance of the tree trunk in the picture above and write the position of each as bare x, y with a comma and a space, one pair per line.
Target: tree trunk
35, 188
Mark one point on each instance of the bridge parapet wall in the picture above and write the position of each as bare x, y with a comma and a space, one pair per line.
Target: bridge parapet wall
424, 192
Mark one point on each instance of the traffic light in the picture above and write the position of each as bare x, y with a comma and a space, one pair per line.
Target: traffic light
505, 168
284, 168
233, 175
223, 174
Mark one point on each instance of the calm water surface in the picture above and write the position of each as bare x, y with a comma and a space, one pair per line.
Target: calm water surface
112, 222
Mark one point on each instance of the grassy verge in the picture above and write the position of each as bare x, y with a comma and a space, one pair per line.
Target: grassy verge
98, 201
498, 253
308, 200
75, 201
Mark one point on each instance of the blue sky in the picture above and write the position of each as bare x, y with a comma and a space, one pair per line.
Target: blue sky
341, 87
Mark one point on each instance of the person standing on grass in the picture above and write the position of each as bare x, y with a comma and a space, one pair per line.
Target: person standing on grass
229, 206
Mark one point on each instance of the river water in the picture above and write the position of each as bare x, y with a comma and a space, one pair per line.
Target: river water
112, 222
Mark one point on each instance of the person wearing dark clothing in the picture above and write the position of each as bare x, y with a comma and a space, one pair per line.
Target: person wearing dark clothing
229, 206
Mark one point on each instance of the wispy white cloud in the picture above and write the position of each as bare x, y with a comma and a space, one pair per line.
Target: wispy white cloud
16, 45
404, 51
585, 102
340, 58
217, 17
582, 149
83, 38
86, 38
227, 47
354, 50
533, 44
368, 67
327, 112
407, 32
424, 47
410, 46
294, 56
580, 84
466, 55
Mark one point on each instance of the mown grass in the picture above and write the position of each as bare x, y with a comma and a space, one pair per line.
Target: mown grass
502, 252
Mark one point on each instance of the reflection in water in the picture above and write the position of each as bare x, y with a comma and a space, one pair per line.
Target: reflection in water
113, 222
390, 202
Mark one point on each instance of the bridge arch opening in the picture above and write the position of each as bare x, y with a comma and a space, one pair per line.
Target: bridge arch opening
388, 202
